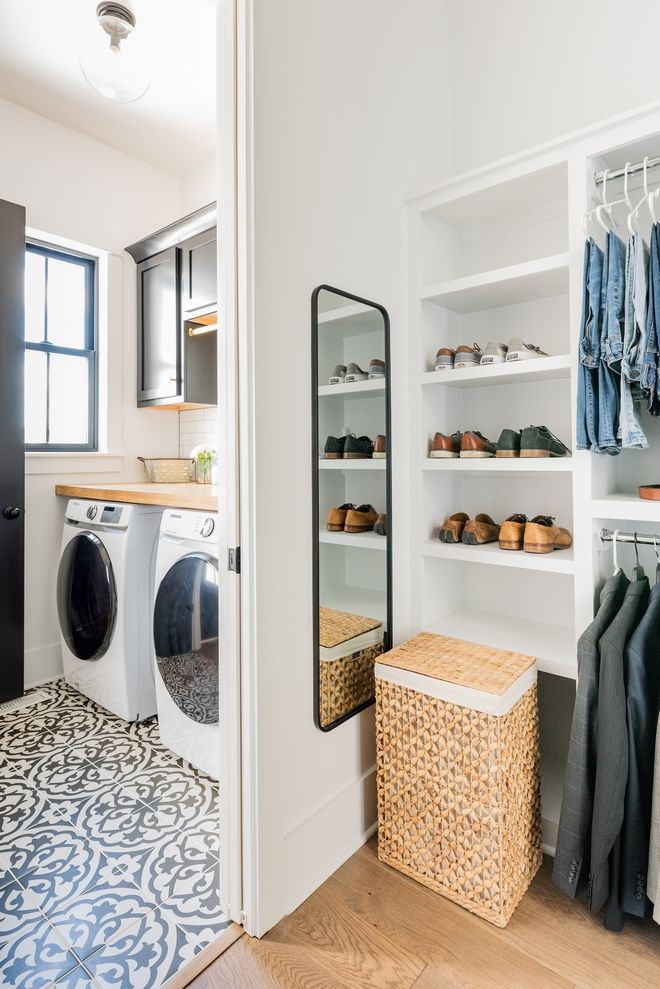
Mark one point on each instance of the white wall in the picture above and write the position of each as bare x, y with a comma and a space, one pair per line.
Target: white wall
352, 112
77, 188
199, 187
525, 71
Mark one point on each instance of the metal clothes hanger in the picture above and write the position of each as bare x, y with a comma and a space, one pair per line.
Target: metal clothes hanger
638, 569
634, 213
657, 558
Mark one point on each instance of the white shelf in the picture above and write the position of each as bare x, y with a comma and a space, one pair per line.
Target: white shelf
358, 540
626, 508
539, 279
559, 561
345, 312
356, 601
352, 464
351, 321
553, 645
535, 369
501, 465
357, 389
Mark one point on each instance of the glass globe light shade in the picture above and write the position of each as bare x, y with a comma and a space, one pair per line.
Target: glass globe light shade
116, 67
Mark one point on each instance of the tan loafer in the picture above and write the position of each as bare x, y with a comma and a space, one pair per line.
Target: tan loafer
541, 536
512, 532
451, 529
481, 529
337, 518
361, 519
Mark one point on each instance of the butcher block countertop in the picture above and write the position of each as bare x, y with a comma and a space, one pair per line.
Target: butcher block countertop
201, 497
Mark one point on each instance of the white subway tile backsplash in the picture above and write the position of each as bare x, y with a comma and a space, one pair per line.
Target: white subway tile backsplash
196, 427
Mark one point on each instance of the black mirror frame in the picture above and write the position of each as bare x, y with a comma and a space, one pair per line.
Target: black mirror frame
387, 644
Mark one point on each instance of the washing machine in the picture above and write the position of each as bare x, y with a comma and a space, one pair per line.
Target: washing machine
105, 586
185, 629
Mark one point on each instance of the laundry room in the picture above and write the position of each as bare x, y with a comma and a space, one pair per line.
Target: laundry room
110, 736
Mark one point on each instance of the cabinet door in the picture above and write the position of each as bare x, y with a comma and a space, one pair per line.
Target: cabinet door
159, 327
200, 279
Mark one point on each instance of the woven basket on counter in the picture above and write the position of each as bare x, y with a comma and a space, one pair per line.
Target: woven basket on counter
459, 802
349, 647
169, 470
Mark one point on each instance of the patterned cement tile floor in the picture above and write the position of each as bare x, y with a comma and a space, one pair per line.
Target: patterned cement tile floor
109, 868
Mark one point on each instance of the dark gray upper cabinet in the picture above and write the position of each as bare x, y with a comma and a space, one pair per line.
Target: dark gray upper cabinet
177, 313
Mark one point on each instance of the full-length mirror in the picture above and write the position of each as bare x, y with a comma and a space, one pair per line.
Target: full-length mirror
352, 500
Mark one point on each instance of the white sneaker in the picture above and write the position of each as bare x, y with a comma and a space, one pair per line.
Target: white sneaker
521, 351
495, 353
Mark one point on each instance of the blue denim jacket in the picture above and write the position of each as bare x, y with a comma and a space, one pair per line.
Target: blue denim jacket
611, 345
652, 351
589, 348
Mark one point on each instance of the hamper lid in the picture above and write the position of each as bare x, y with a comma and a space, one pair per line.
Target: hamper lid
336, 627
468, 664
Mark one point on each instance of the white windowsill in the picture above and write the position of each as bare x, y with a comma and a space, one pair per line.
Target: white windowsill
73, 463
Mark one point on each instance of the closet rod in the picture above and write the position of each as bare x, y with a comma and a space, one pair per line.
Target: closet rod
607, 535
618, 173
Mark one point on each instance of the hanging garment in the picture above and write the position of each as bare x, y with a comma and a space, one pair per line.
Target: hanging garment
653, 878
611, 344
589, 347
612, 744
652, 352
631, 433
642, 675
573, 854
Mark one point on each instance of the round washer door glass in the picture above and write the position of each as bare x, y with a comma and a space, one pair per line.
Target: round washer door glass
86, 596
186, 636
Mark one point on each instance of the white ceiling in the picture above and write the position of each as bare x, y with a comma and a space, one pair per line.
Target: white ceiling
173, 125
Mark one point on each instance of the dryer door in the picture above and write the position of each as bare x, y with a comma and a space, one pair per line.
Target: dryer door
86, 596
186, 636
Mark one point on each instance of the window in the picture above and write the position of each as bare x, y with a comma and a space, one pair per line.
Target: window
60, 350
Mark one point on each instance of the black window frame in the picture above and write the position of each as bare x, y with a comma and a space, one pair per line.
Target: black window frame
89, 351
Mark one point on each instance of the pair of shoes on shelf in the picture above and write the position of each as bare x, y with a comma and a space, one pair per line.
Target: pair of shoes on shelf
447, 359
354, 518
517, 532
354, 447
534, 441
347, 374
496, 352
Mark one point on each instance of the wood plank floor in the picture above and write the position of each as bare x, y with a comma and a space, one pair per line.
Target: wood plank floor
368, 927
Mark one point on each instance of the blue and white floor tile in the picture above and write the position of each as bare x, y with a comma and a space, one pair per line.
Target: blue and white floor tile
109, 872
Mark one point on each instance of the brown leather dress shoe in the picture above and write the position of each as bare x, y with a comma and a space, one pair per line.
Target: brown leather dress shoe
361, 519
481, 529
512, 532
381, 525
451, 529
541, 536
473, 444
443, 446
337, 518
380, 448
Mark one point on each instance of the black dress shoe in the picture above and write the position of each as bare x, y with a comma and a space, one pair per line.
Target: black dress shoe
358, 447
334, 448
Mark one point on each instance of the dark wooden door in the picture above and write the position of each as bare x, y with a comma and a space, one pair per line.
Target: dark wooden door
12, 448
199, 283
159, 328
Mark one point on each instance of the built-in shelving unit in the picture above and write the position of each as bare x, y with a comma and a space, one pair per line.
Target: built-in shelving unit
559, 561
626, 508
536, 369
352, 464
356, 540
513, 285
354, 389
500, 465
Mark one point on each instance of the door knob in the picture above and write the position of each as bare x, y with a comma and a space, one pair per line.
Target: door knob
11, 513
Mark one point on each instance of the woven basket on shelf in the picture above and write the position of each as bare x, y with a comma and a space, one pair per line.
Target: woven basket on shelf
346, 681
458, 771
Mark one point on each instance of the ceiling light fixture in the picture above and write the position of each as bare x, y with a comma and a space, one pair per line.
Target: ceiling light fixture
113, 63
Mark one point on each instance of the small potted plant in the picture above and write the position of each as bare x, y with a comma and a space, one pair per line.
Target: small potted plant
203, 456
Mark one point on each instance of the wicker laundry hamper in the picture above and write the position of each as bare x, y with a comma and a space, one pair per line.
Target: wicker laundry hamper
349, 647
459, 802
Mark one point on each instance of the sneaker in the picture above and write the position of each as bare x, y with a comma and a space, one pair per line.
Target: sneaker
334, 448
358, 448
337, 517
512, 532
381, 525
355, 373
451, 529
445, 447
338, 375
467, 356
380, 448
474, 445
444, 359
361, 519
482, 529
508, 444
538, 441
541, 536
376, 369
521, 351
495, 353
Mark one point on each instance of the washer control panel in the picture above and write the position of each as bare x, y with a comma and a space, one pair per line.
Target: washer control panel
95, 513
195, 526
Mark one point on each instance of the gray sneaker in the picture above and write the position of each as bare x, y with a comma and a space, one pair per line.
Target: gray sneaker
495, 353
521, 351
338, 376
355, 373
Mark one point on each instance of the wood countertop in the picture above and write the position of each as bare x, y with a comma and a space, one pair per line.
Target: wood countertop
201, 497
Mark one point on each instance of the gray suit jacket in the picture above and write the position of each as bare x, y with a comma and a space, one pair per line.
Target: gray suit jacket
612, 743
573, 855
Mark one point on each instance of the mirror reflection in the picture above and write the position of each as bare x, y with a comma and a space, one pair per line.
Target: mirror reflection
352, 494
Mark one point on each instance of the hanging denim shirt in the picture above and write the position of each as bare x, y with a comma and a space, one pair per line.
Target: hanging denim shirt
634, 341
589, 348
611, 344
652, 350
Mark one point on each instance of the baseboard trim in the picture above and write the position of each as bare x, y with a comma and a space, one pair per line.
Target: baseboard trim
43, 665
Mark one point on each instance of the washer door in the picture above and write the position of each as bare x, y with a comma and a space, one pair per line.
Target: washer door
86, 596
186, 636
